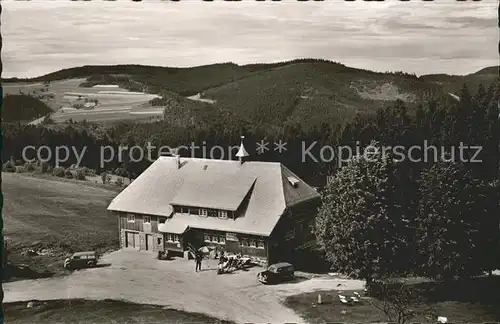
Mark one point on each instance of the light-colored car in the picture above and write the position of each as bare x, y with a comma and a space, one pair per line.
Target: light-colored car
81, 260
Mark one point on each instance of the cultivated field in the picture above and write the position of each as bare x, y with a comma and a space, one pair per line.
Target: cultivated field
58, 216
97, 104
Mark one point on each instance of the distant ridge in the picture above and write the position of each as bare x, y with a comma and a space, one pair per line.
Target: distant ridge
489, 70
287, 92
87, 70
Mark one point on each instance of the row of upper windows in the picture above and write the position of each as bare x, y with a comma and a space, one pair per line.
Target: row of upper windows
187, 210
147, 219
205, 212
131, 218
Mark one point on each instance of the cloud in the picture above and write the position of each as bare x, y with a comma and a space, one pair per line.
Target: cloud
418, 37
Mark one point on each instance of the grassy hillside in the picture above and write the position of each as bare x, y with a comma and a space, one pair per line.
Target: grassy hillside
60, 216
306, 91
22, 107
77, 311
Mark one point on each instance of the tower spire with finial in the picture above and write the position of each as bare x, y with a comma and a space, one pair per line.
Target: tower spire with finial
242, 153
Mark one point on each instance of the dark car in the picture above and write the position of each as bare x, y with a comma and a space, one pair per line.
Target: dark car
81, 260
276, 273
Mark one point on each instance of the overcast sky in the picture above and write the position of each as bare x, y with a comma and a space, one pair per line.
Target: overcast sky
421, 37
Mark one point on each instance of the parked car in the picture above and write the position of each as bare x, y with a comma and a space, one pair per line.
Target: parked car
163, 255
81, 260
276, 273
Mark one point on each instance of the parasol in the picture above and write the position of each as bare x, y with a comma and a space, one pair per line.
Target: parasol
204, 249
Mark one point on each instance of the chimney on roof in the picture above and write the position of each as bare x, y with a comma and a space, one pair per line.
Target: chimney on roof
242, 153
177, 160
175, 153
293, 181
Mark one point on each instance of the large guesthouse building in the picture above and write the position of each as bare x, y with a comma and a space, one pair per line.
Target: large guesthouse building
259, 209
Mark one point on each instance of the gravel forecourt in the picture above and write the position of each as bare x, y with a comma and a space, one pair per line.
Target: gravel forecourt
138, 277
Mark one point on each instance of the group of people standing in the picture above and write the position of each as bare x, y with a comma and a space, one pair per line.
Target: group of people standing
199, 258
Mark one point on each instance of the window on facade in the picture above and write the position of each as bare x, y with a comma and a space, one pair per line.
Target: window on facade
147, 219
222, 214
253, 243
172, 237
212, 212
290, 234
260, 244
214, 238
194, 211
130, 218
184, 210
244, 242
162, 220
203, 212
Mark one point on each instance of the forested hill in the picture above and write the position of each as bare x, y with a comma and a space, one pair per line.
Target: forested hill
21, 107
305, 91
453, 83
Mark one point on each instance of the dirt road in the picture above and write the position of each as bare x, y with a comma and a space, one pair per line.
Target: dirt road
138, 277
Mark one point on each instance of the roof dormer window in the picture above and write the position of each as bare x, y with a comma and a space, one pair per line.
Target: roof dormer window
222, 214
293, 181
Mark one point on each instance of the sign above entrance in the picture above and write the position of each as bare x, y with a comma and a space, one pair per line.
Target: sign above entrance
231, 237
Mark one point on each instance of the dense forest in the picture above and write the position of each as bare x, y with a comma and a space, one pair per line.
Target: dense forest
384, 217
473, 120
22, 107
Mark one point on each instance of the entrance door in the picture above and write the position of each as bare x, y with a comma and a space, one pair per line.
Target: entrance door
194, 238
133, 240
130, 240
149, 242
